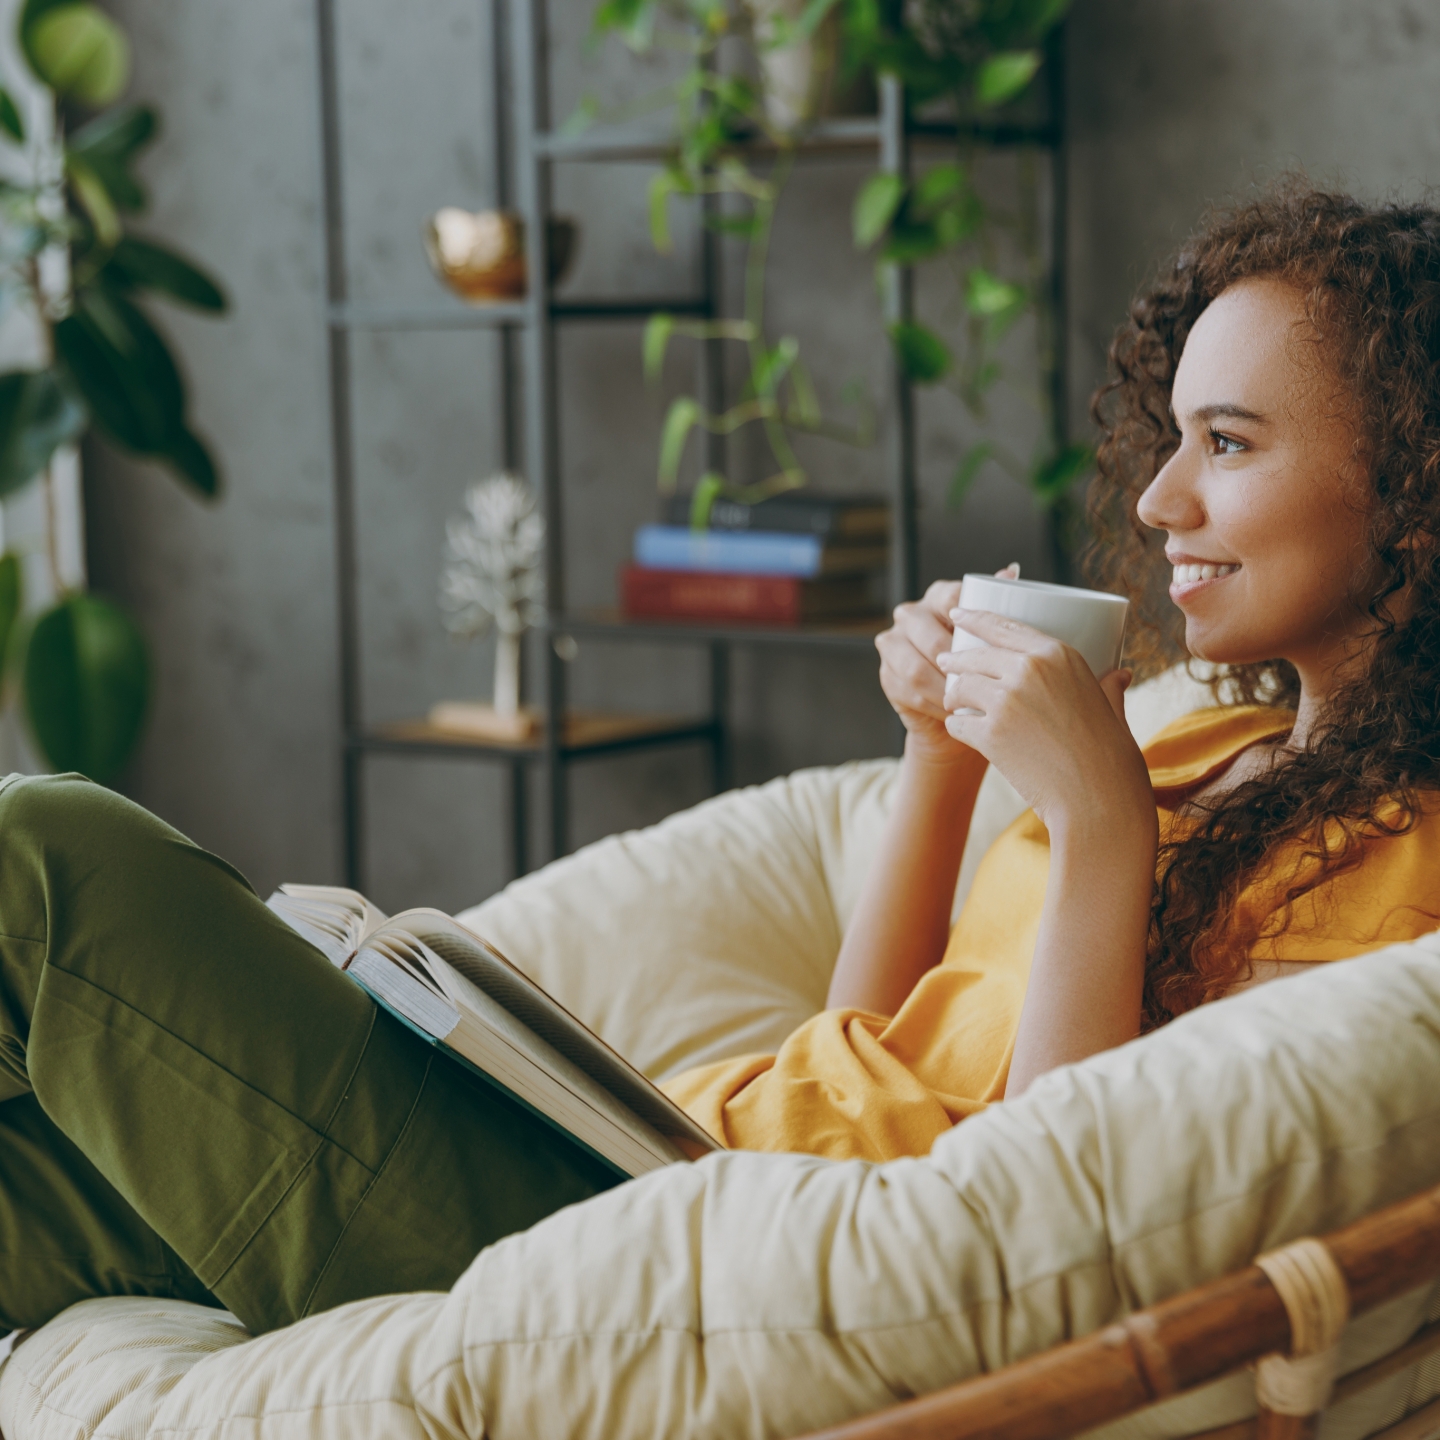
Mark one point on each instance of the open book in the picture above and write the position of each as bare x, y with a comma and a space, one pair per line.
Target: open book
463, 994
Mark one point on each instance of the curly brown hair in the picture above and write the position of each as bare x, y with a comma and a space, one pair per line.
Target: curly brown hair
1370, 276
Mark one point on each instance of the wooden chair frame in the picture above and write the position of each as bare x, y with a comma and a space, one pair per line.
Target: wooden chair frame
1183, 1343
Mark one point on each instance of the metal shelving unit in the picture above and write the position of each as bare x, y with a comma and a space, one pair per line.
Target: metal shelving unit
526, 150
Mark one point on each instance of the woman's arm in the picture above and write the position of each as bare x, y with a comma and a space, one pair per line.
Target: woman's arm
1060, 738
900, 926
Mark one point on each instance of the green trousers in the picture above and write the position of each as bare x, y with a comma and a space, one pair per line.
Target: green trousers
194, 1103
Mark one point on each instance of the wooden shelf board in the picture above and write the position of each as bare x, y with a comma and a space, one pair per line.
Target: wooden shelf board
611, 624
584, 730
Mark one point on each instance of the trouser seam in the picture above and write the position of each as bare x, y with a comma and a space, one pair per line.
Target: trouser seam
374, 1180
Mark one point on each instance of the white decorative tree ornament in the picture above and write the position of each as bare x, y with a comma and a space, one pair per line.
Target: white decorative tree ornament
493, 575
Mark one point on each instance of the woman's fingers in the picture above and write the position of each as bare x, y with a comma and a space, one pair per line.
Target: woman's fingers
1115, 684
1001, 631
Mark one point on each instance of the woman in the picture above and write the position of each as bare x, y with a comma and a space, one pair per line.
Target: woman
193, 1103
1276, 416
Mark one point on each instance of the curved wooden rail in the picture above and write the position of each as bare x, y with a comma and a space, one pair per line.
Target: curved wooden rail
1166, 1349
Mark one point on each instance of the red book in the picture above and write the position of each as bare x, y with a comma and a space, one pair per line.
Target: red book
755, 599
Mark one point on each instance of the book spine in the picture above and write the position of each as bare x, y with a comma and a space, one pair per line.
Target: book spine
791, 517
689, 595
669, 547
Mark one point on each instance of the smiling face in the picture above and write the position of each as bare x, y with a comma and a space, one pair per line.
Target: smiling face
1263, 502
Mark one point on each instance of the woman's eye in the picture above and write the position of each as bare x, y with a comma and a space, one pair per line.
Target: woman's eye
1225, 444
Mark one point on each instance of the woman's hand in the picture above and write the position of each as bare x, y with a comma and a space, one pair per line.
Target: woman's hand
1056, 733
908, 670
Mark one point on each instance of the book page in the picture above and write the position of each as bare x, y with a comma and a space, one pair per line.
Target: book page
485, 968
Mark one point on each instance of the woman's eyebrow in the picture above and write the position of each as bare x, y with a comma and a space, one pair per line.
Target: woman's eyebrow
1225, 410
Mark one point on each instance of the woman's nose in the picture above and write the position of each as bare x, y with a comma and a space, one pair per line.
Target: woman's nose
1170, 501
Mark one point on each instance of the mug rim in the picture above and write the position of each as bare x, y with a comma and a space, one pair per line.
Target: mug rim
1047, 587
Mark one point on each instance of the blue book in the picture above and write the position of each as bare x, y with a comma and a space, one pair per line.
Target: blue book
805, 557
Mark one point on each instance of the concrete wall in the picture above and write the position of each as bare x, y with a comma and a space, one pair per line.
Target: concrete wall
1172, 104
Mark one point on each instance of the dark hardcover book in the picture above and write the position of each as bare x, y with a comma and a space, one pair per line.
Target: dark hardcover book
832, 517
647, 594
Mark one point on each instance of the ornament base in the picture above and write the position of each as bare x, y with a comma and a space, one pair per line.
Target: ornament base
476, 718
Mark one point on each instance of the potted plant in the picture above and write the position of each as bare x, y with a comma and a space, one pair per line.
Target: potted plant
69, 259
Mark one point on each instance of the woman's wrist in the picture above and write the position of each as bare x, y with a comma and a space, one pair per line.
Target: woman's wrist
941, 753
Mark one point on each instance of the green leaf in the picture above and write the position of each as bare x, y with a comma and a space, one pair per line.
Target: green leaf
123, 370
80, 53
142, 264
923, 355
658, 330
773, 366
192, 462
709, 489
12, 601
86, 686
661, 189
987, 295
37, 415
1002, 77
875, 207
939, 186
109, 145
95, 201
969, 467
10, 119
682, 417
634, 20
1052, 478
911, 242
807, 403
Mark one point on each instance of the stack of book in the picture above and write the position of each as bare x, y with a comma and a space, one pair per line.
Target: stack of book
793, 558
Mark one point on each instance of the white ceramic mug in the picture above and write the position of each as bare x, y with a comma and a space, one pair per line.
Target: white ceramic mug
1089, 620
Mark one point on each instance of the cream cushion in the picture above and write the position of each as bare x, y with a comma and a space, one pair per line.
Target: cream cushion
765, 1295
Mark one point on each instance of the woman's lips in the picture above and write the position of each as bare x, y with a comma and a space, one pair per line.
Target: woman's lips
1190, 578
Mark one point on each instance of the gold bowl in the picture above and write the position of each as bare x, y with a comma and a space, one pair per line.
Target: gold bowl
481, 256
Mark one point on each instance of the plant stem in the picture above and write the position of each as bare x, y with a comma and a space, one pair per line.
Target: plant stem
755, 266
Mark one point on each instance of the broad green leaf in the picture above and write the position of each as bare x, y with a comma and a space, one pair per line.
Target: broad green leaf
711, 486
633, 20
86, 686
80, 53
661, 189
969, 467
95, 201
1052, 478
1002, 77
875, 207
123, 370
109, 145
37, 414
193, 463
911, 241
10, 120
682, 417
923, 355
938, 186
658, 330
987, 294
12, 600
142, 264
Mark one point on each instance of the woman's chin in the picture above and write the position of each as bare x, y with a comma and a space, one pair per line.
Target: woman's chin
1206, 643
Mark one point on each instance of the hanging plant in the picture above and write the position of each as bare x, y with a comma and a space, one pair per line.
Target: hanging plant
977, 55
68, 257
716, 117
